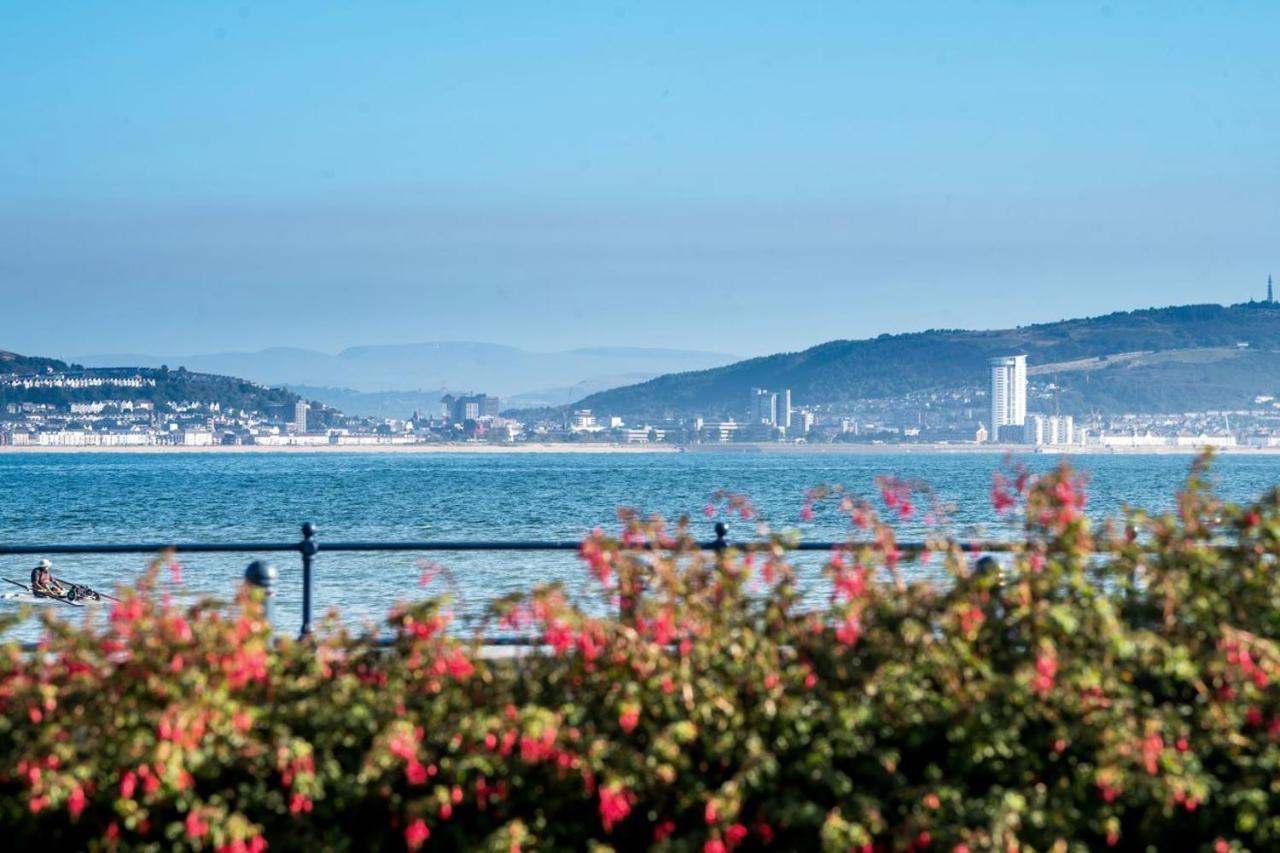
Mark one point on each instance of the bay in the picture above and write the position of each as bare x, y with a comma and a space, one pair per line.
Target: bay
90, 498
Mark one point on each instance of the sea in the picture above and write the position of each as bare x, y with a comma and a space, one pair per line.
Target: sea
213, 497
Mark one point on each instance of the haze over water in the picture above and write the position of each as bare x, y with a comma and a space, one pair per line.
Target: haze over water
82, 498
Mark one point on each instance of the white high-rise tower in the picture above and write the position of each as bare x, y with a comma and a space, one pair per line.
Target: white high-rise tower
300, 417
1008, 393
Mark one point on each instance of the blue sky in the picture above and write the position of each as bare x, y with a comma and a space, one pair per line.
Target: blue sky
742, 177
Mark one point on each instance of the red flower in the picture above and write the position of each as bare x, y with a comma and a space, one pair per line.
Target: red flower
1001, 499
848, 631
1046, 673
128, 783
615, 805
735, 834
663, 831
196, 828
715, 845
75, 802
629, 719
416, 834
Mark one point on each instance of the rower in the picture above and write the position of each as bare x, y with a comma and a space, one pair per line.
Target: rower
42, 582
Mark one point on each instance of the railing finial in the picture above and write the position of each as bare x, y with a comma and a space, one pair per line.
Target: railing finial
722, 532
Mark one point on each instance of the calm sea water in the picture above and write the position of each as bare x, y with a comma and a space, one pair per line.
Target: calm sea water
211, 497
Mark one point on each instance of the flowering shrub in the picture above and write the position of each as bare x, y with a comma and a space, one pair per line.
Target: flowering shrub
1111, 687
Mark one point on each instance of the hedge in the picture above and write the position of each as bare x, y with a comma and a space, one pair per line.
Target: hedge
1110, 686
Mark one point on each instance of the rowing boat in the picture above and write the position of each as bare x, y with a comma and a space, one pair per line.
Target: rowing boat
39, 598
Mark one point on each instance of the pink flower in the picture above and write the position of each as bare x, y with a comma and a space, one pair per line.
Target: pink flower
75, 802
848, 631
1001, 499
1046, 673
806, 513
128, 784
196, 828
629, 719
615, 805
416, 834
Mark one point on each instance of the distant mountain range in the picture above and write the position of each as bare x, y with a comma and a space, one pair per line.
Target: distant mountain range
1183, 358
525, 378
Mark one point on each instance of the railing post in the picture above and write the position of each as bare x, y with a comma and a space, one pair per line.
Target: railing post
262, 575
308, 548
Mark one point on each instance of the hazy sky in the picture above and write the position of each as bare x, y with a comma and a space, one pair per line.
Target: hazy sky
743, 177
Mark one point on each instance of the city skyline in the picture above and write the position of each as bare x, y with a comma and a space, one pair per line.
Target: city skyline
182, 179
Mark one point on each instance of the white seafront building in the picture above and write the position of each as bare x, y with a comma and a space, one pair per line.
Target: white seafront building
300, 409
1008, 397
1054, 430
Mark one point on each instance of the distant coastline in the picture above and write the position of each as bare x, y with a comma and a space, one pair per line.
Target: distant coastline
633, 449
530, 447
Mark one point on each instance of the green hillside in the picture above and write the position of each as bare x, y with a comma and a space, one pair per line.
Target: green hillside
162, 386
26, 365
893, 365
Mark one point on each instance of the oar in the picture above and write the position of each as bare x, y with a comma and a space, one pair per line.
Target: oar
16, 583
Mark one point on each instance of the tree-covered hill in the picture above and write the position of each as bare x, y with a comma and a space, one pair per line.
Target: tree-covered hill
891, 365
25, 365
160, 386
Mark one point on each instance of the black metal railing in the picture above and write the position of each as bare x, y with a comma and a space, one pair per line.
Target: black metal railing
309, 547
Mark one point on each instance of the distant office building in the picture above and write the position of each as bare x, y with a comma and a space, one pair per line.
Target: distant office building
584, 421
771, 408
719, 431
764, 407
1008, 395
300, 417
1049, 429
806, 418
470, 407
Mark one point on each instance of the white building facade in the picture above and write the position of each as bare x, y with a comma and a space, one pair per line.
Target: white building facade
300, 417
1008, 393
1049, 429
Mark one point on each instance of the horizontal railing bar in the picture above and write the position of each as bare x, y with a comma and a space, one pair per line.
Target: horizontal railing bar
155, 548
369, 547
